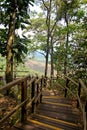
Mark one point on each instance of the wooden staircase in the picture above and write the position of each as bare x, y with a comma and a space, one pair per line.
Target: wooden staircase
54, 113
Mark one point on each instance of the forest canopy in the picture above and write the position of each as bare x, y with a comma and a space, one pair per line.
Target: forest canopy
58, 28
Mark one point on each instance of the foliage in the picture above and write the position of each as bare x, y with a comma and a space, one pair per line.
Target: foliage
14, 15
19, 48
74, 11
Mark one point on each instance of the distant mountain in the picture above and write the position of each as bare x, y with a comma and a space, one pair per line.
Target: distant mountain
36, 62
37, 66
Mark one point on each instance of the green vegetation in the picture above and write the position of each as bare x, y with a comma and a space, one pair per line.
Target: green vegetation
21, 69
59, 30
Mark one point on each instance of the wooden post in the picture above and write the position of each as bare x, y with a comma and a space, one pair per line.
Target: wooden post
57, 77
32, 95
51, 81
79, 92
41, 89
37, 92
86, 112
86, 107
45, 82
67, 81
23, 98
37, 88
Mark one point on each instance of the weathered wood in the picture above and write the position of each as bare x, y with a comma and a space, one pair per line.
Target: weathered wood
80, 104
30, 82
52, 116
67, 82
72, 80
30, 103
11, 84
37, 98
23, 98
36, 86
32, 95
83, 86
38, 80
84, 108
25, 101
12, 112
42, 84
79, 93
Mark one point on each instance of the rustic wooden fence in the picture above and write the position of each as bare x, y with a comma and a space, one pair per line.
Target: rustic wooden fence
35, 85
80, 95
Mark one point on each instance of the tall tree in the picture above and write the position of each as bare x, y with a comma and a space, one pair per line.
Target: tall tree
14, 15
67, 10
48, 7
49, 10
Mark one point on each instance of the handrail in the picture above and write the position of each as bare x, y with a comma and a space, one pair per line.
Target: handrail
83, 86
36, 84
26, 102
11, 84
84, 110
13, 111
80, 86
72, 81
31, 81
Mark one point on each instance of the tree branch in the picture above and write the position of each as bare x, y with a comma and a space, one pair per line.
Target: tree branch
44, 4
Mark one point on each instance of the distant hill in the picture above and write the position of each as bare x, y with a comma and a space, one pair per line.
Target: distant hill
37, 66
36, 63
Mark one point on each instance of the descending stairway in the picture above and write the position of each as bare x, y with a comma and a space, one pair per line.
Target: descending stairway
55, 113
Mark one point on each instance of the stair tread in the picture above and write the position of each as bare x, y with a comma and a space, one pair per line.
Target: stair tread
53, 121
54, 113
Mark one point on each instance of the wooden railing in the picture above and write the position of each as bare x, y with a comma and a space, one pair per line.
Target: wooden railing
82, 99
35, 85
35, 96
81, 94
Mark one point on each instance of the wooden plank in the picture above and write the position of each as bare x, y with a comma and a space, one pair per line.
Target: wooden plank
83, 86
53, 122
44, 124
54, 113
13, 83
57, 100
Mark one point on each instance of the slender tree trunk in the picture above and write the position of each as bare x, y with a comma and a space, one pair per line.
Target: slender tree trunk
9, 48
52, 67
48, 37
66, 46
47, 54
46, 63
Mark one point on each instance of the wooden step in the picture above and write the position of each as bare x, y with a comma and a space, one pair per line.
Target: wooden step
52, 122
57, 99
62, 112
54, 113
35, 125
40, 122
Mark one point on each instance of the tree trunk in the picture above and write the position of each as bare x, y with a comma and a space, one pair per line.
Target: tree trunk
9, 58
48, 36
66, 46
47, 54
52, 67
